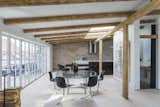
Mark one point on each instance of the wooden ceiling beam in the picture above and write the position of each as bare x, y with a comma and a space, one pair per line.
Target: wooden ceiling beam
83, 35
68, 41
67, 34
63, 39
148, 9
63, 36
71, 17
66, 17
11, 3
69, 27
148, 21
149, 36
72, 27
72, 41
58, 34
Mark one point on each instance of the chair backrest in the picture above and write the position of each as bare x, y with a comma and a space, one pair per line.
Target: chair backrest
75, 68
92, 81
61, 67
50, 75
60, 81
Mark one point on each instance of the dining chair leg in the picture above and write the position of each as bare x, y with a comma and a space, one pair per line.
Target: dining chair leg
63, 91
54, 83
85, 90
98, 87
68, 90
90, 90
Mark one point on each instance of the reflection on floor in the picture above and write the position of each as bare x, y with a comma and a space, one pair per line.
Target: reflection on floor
42, 94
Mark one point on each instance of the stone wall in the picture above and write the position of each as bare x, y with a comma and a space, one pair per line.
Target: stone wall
67, 53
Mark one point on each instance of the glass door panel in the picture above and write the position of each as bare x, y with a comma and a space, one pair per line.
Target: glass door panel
145, 59
4, 58
12, 62
23, 64
17, 63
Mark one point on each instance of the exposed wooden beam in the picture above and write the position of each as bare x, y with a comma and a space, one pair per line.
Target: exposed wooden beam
155, 12
58, 34
66, 17
63, 39
125, 62
149, 36
81, 35
68, 41
70, 17
148, 21
151, 6
100, 56
10, 3
72, 41
69, 27
67, 34
80, 26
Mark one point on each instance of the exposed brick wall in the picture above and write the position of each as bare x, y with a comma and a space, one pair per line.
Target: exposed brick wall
67, 53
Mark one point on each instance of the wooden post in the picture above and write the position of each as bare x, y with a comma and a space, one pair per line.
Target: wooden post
100, 55
125, 62
0, 61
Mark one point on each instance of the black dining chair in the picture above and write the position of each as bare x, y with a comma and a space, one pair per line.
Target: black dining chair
92, 81
74, 68
51, 78
61, 83
62, 67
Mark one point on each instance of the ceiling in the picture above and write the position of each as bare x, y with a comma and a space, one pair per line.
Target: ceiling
56, 10
69, 9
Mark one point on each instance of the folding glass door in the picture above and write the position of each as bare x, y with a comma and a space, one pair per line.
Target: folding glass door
22, 60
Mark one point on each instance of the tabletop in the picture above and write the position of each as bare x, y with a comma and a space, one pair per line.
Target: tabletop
77, 75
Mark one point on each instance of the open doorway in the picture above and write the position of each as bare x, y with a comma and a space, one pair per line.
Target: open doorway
148, 61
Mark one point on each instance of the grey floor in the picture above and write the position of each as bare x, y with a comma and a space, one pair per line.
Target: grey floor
42, 94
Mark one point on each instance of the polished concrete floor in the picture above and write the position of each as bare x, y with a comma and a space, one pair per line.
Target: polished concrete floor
42, 94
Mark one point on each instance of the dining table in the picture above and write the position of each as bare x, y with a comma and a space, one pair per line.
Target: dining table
81, 74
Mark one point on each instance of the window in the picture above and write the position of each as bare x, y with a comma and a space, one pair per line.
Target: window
92, 47
23, 60
17, 63
4, 58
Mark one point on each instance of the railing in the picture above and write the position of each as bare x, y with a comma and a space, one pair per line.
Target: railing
10, 72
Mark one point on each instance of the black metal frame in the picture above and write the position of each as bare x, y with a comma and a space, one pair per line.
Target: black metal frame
153, 58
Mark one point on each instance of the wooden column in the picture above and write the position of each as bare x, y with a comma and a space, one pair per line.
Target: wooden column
0, 61
100, 55
125, 62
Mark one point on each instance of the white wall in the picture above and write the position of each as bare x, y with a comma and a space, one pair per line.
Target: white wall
134, 74
50, 58
134, 32
117, 54
134, 69
158, 55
